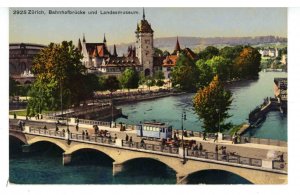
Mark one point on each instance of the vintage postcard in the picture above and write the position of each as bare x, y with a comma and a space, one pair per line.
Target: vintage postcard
148, 95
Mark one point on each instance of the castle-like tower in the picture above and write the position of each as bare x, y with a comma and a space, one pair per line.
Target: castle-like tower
144, 45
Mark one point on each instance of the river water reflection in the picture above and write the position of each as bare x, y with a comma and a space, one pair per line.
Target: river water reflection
246, 96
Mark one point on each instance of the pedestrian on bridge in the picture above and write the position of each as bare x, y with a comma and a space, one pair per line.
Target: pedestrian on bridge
126, 138
77, 128
204, 136
64, 132
130, 141
142, 143
83, 134
56, 128
200, 147
216, 137
216, 150
86, 134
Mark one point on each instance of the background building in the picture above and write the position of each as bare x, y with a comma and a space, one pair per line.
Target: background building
21, 57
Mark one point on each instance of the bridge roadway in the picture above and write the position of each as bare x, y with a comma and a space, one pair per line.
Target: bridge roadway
254, 162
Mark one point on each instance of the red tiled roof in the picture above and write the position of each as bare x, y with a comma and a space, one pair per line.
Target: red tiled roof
170, 60
100, 48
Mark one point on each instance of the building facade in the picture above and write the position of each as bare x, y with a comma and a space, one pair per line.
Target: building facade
97, 58
21, 57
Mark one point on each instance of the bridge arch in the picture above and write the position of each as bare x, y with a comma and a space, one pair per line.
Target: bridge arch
211, 176
83, 146
255, 176
58, 143
160, 160
18, 136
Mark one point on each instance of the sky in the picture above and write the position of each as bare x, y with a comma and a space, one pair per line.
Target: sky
166, 22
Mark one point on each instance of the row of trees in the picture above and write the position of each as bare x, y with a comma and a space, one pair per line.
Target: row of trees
229, 63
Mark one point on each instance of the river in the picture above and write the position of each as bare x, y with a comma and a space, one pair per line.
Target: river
95, 168
246, 96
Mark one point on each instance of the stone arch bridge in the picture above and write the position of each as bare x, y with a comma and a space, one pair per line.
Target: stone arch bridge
175, 158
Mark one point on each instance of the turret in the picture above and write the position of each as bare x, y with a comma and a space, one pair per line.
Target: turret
177, 47
115, 51
79, 45
83, 40
104, 39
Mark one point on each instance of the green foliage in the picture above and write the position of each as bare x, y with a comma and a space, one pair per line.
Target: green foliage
159, 83
159, 76
220, 66
211, 104
185, 74
129, 79
158, 52
208, 53
166, 53
59, 72
284, 50
101, 81
111, 83
247, 64
142, 77
205, 73
150, 81
13, 87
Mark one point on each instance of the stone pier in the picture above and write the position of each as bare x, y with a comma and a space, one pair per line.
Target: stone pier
117, 168
67, 158
181, 179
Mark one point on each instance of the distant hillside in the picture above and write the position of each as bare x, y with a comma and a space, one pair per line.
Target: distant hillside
198, 43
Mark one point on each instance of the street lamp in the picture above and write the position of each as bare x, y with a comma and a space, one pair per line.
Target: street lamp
112, 112
183, 117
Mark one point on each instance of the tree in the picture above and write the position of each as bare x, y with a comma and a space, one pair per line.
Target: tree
208, 53
247, 64
93, 84
166, 53
158, 52
111, 83
13, 87
211, 104
129, 79
185, 74
205, 73
150, 82
60, 78
231, 53
220, 67
101, 81
159, 76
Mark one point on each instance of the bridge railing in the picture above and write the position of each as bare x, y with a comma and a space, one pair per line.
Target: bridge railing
225, 157
46, 132
228, 137
279, 165
92, 122
15, 127
150, 147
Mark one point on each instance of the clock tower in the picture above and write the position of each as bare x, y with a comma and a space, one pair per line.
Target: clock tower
144, 45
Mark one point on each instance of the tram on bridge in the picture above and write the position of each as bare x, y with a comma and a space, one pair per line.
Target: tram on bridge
154, 130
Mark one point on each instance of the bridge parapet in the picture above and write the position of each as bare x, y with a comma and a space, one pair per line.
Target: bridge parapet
159, 149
